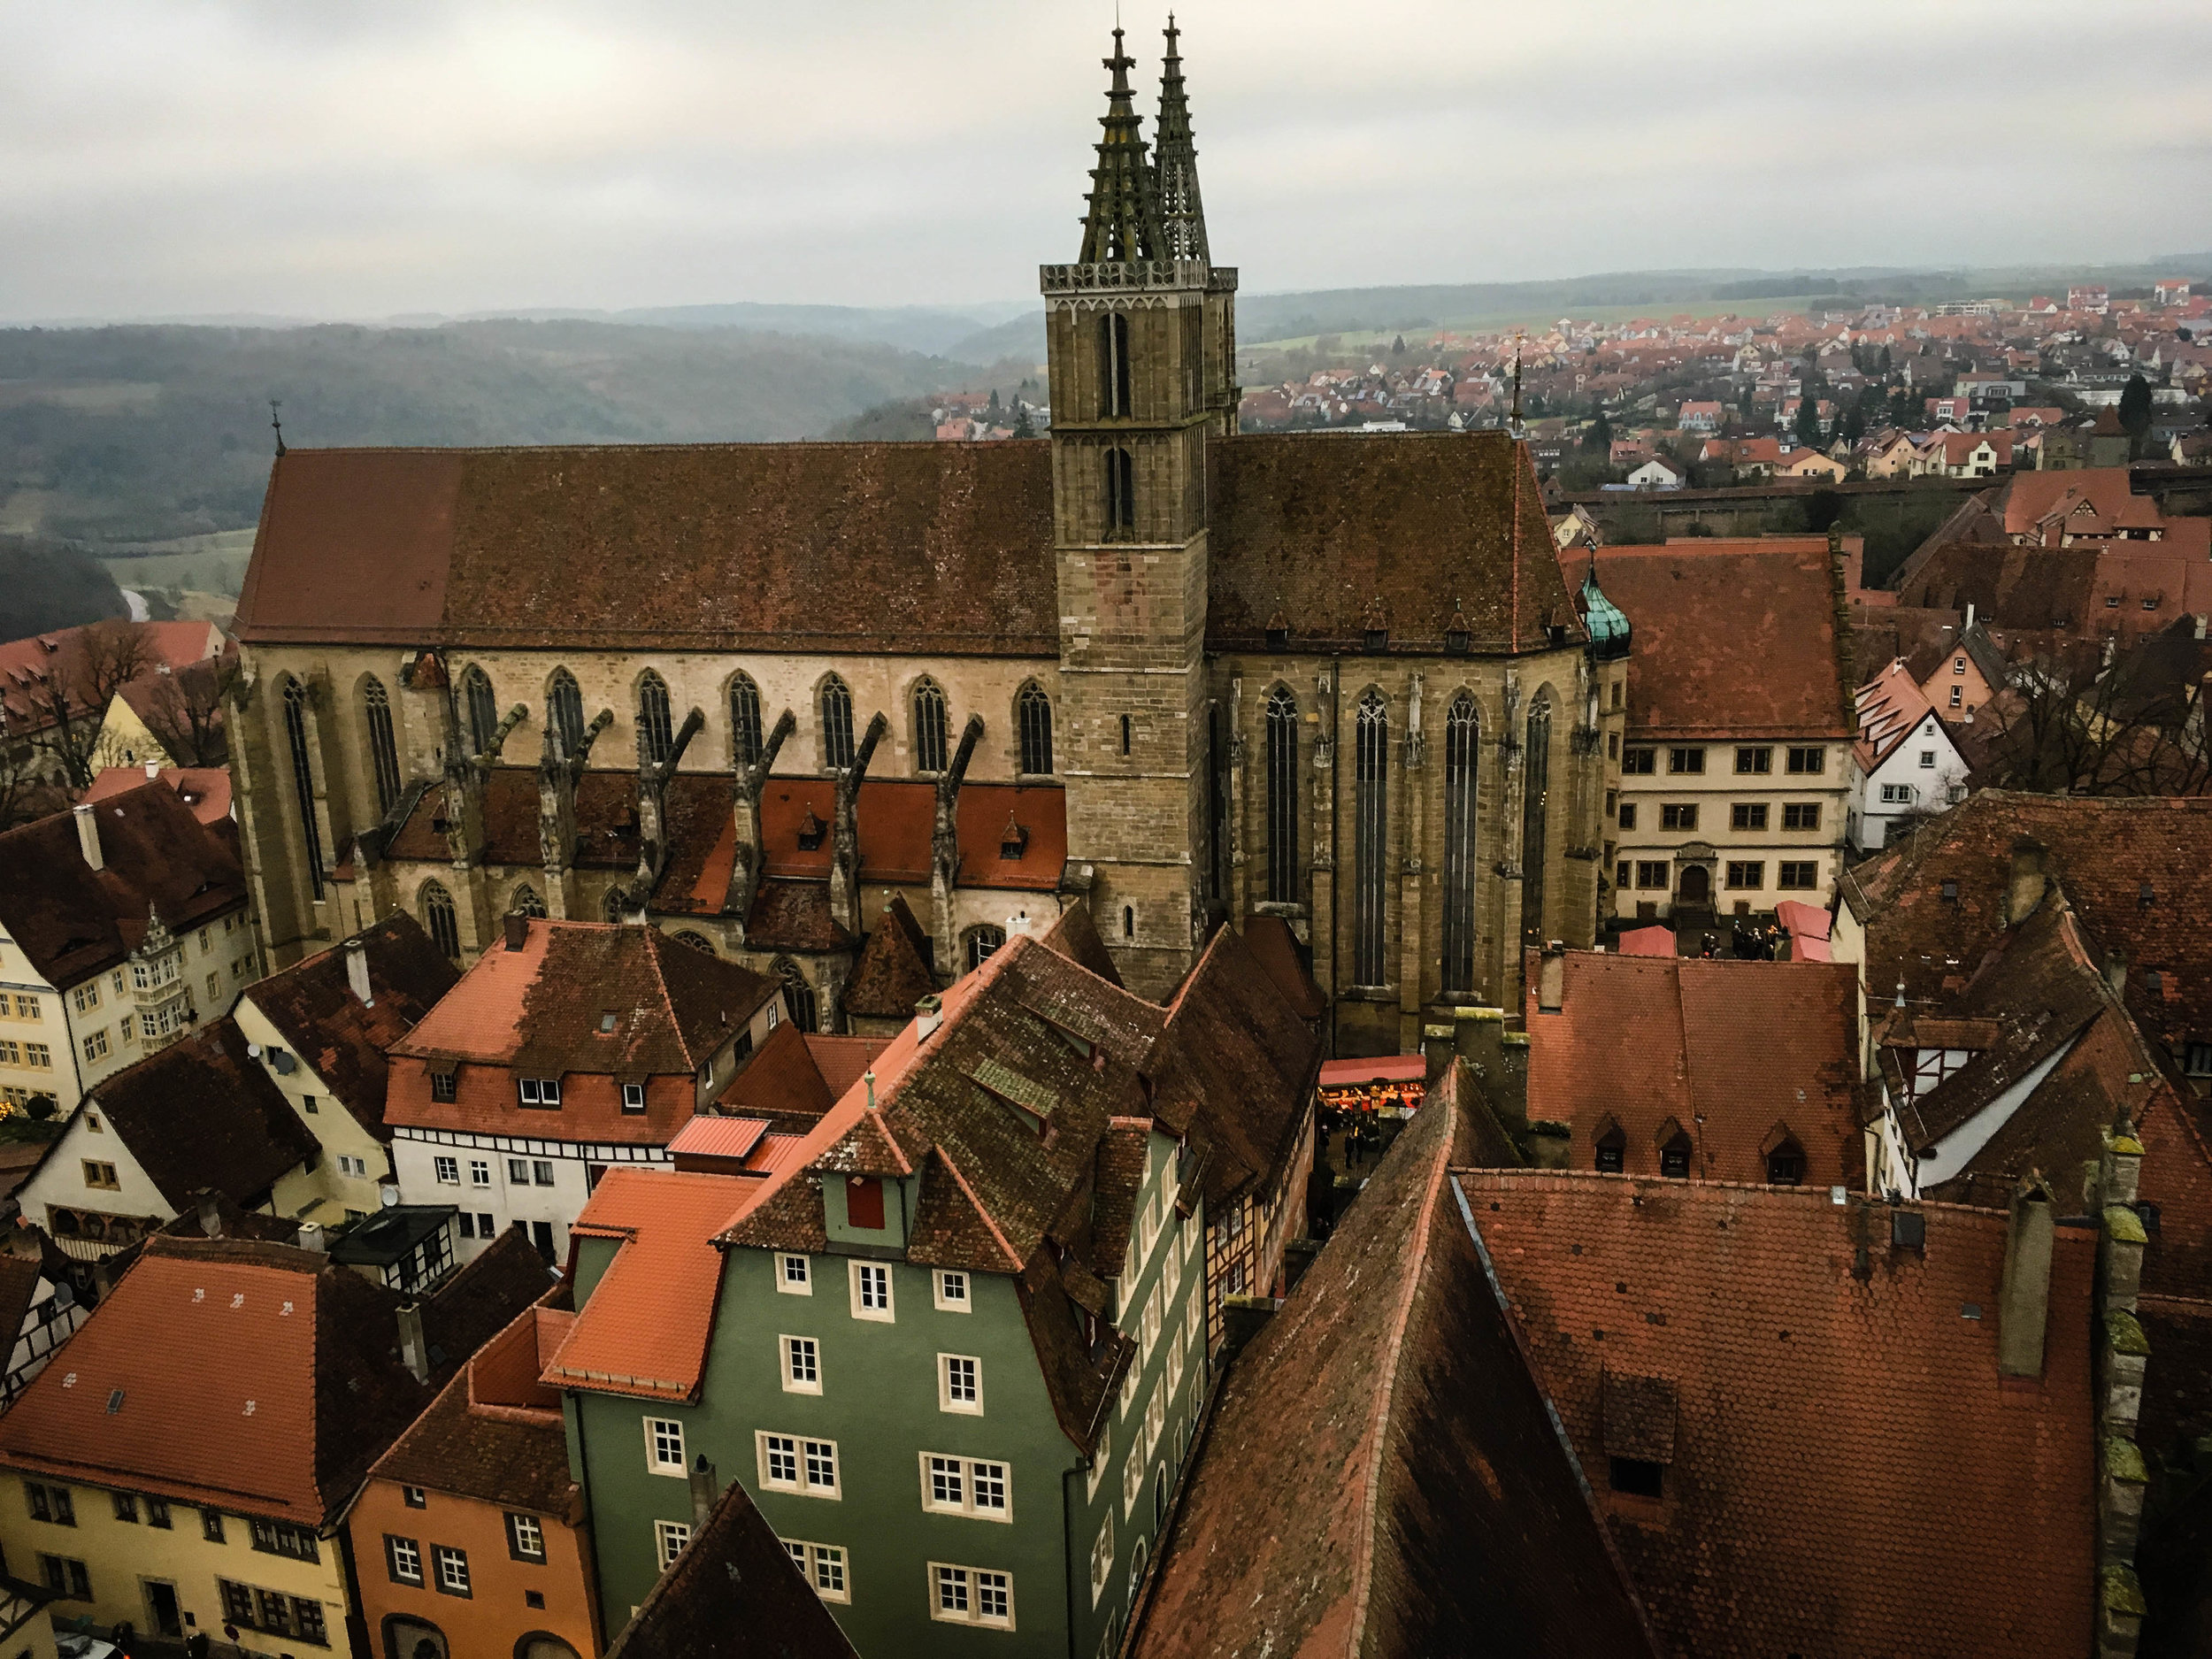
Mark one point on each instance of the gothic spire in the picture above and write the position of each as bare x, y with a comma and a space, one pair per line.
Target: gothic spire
1123, 220
1175, 164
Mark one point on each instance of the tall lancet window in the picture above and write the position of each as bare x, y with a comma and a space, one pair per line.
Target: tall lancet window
929, 727
1121, 493
1535, 849
1462, 729
1114, 387
1369, 836
304, 781
383, 747
657, 733
745, 741
564, 711
1283, 886
837, 724
483, 710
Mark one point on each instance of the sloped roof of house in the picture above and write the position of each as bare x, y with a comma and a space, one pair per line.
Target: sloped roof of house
206, 789
1423, 1500
248, 1375
340, 1039
73, 921
1738, 1055
494, 1433
875, 547
1891, 708
30, 669
798, 1073
893, 971
1713, 1328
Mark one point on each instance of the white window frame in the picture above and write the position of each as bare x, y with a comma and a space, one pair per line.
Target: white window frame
669, 1539
445, 1557
400, 1553
954, 1292
811, 1558
888, 1313
526, 1535
544, 1092
1154, 1419
804, 1450
969, 1580
654, 1441
633, 1097
963, 1470
1133, 1478
447, 1169
480, 1173
1103, 1558
803, 1285
947, 1396
1099, 1461
798, 1355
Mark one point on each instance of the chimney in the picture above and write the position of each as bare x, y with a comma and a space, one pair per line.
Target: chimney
517, 930
312, 1237
153, 770
89, 835
1551, 980
210, 1215
2024, 890
2200, 622
704, 1492
414, 1352
2115, 970
1969, 613
357, 972
2024, 1299
929, 1013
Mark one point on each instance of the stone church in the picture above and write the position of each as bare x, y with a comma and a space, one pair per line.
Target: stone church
849, 713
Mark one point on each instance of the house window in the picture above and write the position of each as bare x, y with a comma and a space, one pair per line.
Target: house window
212, 1524
802, 1365
1799, 875
101, 1175
1689, 761
1103, 1558
791, 1464
482, 709
1927, 758
445, 1086
822, 1566
1651, 874
960, 1384
1636, 1476
656, 735
66, 1578
282, 1538
447, 1169
665, 1447
972, 1596
1283, 884
1636, 762
1627, 815
929, 727
1785, 1164
1958, 696
1033, 713
480, 1173
633, 1097
1679, 815
1369, 836
440, 919
962, 1486
1758, 760
402, 1559
564, 711
952, 1292
792, 1277
542, 1092
1958, 665
1746, 876
1896, 793
1807, 761
1535, 817
864, 1209
1800, 814
2197, 1059
1121, 492
837, 724
542, 1172
1462, 735
526, 1537
1747, 815
519, 1172
871, 1291
51, 1504
304, 781
746, 738
157, 1513
376, 704
453, 1569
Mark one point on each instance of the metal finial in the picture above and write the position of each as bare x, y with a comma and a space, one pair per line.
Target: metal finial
276, 425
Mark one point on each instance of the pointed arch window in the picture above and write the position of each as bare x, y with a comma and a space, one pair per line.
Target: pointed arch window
697, 941
304, 781
610, 907
482, 707
1114, 387
657, 733
798, 995
837, 725
439, 920
982, 943
929, 726
1283, 886
376, 703
1121, 492
564, 711
527, 902
1371, 825
1535, 848
1463, 730
1032, 711
745, 741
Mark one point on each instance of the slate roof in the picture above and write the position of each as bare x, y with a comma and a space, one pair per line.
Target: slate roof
294, 1384
1786, 1524
1423, 1500
1782, 671
73, 921
1652, 1045
733, 1593
313, 1005
893, 972
494, 1433
876, 547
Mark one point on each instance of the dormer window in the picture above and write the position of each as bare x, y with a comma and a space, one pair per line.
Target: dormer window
2145, 896
633, 1097
1612, 1151
445, 1086
1785, 1164
1376, 642
544, 1093
811, 830
1012, 841
1674, 1157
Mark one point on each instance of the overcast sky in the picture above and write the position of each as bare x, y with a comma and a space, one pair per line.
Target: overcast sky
367, 158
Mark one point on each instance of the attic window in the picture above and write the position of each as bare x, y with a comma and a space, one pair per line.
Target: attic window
1785, 1165
1277, 639
1376, 642
811, 830
1950, 892
606, 1023
2155, 980
444, 1086
633, 1097
1674, 1157
540, 1091
1612, 1151
1637, 1477
2145, 896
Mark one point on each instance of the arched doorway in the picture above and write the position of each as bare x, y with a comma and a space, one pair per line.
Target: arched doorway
539, 1645
408, 1638
1696, 886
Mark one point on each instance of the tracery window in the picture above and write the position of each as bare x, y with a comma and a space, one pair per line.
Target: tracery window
746, 738
657, 733
304, 781
1121, 492
383, 749
564, 710
1536, 780
837, 724
1034, 712
439, 919
482, 707
1463, 730
929, 726
1283, 886
798, 995
1371, 825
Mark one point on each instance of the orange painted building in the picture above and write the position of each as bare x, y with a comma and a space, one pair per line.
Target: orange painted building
469, 1539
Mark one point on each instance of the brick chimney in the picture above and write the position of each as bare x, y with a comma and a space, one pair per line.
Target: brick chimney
2024, 891
2024, 1302
414, 1351
1551, 980
517, 930
357, 973
211, 1210
704, 1493
89, 835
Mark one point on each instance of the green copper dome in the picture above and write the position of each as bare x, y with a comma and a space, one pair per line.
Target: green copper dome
1606, 623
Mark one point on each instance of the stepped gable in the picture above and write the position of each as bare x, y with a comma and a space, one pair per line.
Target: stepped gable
1427, 1502
1713, 1328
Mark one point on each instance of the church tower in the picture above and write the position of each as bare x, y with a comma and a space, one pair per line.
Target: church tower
1141, 344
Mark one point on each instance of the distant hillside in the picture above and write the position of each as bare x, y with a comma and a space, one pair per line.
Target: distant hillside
47, 585
147, 434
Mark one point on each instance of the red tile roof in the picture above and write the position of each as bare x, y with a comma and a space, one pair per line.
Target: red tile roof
781, 1080
1772, 671
206, 789
1890, 709
1736, 1055
31, 668
893, 970
1787, 1524
494, 1433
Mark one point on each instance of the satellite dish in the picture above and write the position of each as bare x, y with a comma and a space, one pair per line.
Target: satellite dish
388, 1196
253, 1051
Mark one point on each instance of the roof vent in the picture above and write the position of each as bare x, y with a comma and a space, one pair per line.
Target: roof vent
115, 1402
1908, 1231
1013, 841
811, 830
2145, 896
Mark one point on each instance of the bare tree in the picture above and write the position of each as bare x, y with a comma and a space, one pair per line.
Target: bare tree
96, 663
2132, 724
185, 711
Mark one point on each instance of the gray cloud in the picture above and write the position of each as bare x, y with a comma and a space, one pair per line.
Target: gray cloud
165, 157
